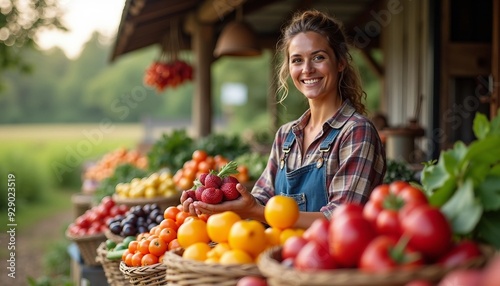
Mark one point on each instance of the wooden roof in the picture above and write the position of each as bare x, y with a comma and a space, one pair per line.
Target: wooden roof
149, 22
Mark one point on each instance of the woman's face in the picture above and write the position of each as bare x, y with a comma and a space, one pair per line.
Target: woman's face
313, 66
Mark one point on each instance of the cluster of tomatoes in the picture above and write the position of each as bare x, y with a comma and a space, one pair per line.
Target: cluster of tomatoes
95, 220
396, 229
168, 74
150, 247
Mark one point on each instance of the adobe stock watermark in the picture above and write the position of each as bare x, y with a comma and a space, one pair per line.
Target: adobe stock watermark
75, 155
457, 114
381, 19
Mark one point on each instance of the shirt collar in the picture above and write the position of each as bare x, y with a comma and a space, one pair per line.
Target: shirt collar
337, 121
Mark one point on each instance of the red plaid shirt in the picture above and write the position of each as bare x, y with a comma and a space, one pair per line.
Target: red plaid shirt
355, 163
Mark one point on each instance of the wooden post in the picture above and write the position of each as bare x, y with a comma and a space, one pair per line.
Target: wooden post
203, 46
495, 64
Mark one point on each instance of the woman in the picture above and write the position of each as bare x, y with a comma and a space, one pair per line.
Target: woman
332, 154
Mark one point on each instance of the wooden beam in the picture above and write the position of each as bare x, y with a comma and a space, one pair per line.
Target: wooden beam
495, 61
377, 69
214, 10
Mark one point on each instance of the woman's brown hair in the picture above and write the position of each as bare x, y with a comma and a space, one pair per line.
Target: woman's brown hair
332, 29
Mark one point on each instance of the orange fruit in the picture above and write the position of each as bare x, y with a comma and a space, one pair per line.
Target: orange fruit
173, 244
273, 236
219, 225
199, 155
143, 246
287, 233
149, 259
196, 251
249, 236
192, 231
170, 213
157, 247
167, 234
281, 212
235, 256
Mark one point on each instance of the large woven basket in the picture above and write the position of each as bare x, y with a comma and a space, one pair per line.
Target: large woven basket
88, 246
181, 271
145, 275
277, 274
163, 202
111, 268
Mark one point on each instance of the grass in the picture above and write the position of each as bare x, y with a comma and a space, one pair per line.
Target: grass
34, 153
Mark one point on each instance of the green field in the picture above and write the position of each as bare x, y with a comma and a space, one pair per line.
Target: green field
47, 161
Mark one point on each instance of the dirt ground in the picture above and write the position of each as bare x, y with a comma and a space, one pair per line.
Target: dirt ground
30, 245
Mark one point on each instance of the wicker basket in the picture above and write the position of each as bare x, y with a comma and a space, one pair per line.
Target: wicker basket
145, 275
163, 202
181, 271
277, 274
88, 246
111, 268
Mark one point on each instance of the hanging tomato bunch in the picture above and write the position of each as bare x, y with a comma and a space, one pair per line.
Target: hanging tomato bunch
162, 74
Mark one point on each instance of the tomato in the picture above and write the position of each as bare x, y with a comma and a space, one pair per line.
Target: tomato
410, 194
396, 186
371, 211
428, 230
462, 277
383, 254
107, 202
387, 222
313, 257
349, 234
137, 259
378, 194
460, 253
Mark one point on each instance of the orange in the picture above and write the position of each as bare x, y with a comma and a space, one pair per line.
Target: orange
192, 231
167, 234
281, 212
170, 213
249, 236
168, 223
143, 246
219, 225
273, 236
137, 259
199, 155
157, 246
173, 244
287, 233
196, 251
235, 256
149, 259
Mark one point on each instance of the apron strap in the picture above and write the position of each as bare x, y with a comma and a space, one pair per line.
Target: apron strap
290, 138
326, 144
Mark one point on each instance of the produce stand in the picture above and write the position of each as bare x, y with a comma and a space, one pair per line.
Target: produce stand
81, 273
111, 268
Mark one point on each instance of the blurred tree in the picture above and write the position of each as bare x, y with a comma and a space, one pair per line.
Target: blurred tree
20, 20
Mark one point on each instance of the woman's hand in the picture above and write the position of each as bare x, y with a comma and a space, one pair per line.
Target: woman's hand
187, 204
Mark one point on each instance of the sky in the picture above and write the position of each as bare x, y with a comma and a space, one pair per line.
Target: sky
82, 18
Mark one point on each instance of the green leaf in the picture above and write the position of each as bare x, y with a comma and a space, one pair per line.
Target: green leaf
439, 181
444, 193
485, 151
454, 159
489, 193
481, 126
463, 210
495, 125
488, 229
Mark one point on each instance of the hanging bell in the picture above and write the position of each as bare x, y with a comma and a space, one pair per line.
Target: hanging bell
237, 39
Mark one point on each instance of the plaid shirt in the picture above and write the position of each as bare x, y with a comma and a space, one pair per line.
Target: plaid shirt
355, 162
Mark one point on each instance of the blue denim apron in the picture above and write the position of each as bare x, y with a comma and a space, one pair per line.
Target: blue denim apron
307, 184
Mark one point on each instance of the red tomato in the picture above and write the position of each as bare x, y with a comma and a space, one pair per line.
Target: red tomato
460, 253
349, 234
379, 193
387, 223
107, 202
382, 255
396, 186
371, 211
313, 257
428, 230
410, 194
